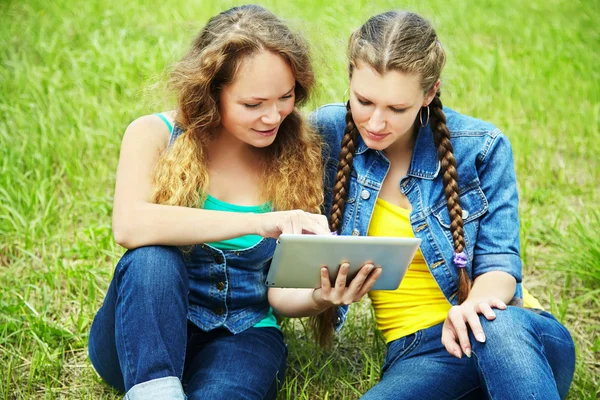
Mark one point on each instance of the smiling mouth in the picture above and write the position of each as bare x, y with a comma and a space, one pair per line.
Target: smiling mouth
269, 132
376, 136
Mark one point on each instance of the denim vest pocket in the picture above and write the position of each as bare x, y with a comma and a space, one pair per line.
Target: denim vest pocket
400, 348
474, 204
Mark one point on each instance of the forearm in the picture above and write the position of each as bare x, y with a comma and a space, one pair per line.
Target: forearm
494, 284
154, 224
296, 302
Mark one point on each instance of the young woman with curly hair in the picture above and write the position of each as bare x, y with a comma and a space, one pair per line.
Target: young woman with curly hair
202, 192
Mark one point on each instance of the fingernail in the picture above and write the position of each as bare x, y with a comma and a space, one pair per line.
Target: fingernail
480, 337
370, 267
468, 352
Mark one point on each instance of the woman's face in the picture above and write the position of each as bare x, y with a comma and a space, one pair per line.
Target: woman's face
261, 96
384, 107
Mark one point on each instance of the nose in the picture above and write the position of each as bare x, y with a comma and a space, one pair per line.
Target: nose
272, 116
376, 122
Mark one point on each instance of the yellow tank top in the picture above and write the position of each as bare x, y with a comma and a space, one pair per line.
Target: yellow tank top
419, 302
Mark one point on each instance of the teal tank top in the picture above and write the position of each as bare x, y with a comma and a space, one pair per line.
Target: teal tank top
242, 242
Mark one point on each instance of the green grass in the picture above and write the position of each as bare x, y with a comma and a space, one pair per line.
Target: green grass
74, 74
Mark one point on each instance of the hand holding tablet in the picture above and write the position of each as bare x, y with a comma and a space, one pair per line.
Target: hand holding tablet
298, 259
346, 291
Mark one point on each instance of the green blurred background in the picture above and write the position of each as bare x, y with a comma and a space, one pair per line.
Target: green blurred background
74, 74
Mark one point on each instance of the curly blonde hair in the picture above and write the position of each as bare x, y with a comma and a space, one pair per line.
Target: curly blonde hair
291, 176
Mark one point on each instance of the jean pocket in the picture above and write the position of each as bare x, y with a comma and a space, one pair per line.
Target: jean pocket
400, 348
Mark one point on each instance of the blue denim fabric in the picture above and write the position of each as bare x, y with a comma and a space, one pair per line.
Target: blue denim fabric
141, 336
527, 355
243, 300
487, 188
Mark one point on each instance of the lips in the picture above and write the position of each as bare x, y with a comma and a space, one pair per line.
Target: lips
376, 136
266, 133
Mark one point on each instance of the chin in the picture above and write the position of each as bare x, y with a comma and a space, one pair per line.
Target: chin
266, 142
376, 145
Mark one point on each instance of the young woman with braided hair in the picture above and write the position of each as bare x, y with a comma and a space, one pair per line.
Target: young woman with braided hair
410, 167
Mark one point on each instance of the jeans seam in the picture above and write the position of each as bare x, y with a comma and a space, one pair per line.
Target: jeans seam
562, 340
483, 377
414, 343
185, 348
125, 346
468, 392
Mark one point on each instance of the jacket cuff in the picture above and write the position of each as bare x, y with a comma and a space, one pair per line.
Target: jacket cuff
342, 314
509, 262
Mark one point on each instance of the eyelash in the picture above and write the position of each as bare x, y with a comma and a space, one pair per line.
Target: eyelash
289, 96
396, 110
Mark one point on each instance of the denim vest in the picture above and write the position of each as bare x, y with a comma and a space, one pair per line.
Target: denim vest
487, 190
227, 287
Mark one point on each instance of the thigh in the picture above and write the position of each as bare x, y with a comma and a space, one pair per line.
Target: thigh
419, 367
525, 351
249, 365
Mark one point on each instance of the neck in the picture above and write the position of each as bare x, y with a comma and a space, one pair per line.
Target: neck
227, 147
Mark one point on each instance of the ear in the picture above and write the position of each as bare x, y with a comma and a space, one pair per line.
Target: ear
431, 93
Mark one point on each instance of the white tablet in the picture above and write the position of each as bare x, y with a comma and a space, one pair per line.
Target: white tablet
298, 259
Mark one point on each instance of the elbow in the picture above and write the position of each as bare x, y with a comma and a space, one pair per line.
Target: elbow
124, 233
274, 296
123, 238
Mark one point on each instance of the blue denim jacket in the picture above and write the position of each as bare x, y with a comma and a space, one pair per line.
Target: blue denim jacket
227, 287
487, 189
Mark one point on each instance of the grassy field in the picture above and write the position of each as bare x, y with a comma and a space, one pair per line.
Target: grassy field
73, 74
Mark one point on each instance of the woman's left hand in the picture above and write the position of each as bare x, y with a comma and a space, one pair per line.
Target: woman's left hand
455, 336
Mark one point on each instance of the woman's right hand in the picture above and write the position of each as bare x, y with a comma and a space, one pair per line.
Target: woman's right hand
327, 296
275, 223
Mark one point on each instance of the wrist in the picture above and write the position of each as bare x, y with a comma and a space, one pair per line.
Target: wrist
320, 304
473, 301
252, 224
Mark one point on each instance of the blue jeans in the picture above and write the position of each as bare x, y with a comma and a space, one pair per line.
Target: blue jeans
142, 343
527, 355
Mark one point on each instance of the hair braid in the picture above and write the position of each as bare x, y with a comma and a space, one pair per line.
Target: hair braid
441, 137
323, 324
342, 178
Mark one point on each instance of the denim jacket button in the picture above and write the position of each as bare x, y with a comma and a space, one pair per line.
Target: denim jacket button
364, 194
355, 232
465, 214
219, 311
220, 286
219, 259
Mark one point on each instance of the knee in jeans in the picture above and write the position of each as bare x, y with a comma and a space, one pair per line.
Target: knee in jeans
510, 325
153, 267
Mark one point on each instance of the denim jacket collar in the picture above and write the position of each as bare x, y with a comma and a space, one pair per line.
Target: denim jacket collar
426, 166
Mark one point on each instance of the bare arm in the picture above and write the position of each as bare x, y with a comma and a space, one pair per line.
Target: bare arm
138, 222
296, 302
492, 285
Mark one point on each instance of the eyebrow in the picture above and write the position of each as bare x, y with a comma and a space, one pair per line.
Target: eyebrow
399, 105
262, 99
